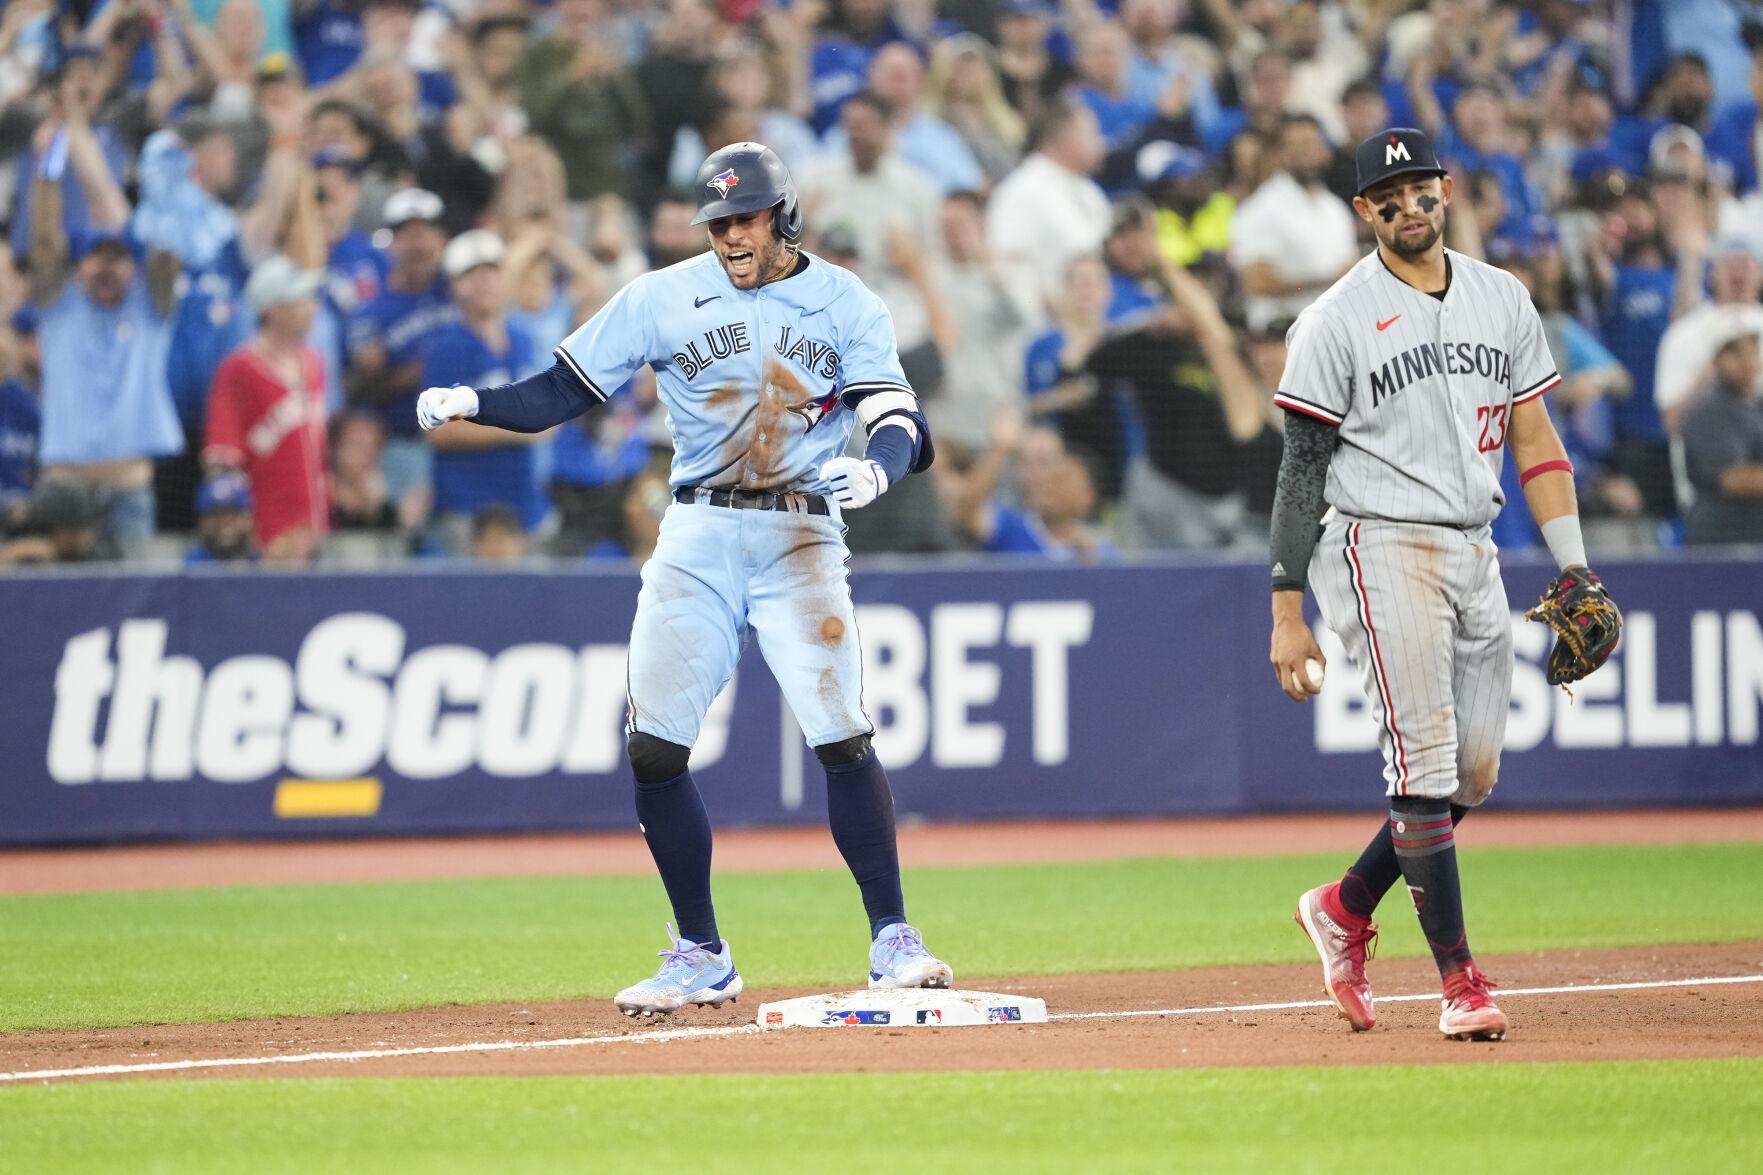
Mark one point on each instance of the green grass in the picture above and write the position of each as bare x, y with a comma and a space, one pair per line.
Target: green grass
1661, 1116
157, 956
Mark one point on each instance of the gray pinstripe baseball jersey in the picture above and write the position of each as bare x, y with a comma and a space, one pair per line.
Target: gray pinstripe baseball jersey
1422, 390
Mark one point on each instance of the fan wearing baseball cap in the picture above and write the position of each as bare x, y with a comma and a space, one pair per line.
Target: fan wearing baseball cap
387, 337
266, 415
477, 468
105, 324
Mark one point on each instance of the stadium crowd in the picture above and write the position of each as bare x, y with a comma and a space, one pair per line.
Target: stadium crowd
242, 234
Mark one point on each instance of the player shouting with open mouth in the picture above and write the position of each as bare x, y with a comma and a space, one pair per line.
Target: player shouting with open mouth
1405, 383
766, 357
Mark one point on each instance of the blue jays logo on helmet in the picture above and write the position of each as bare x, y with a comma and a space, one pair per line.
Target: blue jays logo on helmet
722, 183
764, 183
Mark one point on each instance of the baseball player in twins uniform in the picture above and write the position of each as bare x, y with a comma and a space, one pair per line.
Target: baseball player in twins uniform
1405, 385
766, 358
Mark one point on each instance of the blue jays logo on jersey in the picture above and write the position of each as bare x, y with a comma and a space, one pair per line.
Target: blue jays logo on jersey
723, 182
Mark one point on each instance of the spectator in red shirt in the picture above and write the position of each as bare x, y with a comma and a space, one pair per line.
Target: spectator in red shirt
266, 414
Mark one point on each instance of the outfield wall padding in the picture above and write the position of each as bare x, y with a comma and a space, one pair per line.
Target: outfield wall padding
249, 704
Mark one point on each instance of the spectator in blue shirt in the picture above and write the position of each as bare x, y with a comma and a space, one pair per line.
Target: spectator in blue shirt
1477, 138
1135, 265
21, 423
1592, 380
388, 336
105, 337
1098, 419
327, 38
838, 60
1103, 58
896, 76
594, 463
477, 467
1055, 498
1156, 65
209, 322
1642, 284
1733, 136
78, 85
223, 521
355, 271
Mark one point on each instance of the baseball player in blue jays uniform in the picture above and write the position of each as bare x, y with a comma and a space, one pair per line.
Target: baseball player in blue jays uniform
766, 357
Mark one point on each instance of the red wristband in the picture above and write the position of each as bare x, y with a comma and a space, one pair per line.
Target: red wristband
1564, 465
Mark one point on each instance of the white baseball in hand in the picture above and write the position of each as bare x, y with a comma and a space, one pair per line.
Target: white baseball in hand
436, 406
1312, 671
853, 481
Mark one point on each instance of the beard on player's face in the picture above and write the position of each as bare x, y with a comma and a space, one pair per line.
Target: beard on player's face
748, 247
1412, 244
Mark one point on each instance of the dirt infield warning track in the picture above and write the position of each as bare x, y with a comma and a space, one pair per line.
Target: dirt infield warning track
1693, 1001
300, 862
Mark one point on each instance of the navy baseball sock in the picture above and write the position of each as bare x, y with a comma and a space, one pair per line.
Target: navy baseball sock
860, 809
1425, 841
1376, 870
678, 831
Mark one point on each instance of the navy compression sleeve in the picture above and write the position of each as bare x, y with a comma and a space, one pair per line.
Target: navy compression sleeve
1298, 502
535, 403
891, 448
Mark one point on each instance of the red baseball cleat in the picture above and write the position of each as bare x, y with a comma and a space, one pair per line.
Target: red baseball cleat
1468, 1013
1344, 943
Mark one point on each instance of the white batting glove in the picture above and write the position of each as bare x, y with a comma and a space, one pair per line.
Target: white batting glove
436, 406
854, 481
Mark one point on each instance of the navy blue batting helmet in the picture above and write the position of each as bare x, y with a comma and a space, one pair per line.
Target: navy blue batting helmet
749, 177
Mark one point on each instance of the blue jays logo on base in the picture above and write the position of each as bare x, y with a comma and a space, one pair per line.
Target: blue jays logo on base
998, 1015
722, 183
834, 1016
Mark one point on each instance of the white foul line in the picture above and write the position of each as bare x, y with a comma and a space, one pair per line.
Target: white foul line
1400, 999
494, 1046
667, 1034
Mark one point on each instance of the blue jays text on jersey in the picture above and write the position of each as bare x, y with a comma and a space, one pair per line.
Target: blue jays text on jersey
762, 386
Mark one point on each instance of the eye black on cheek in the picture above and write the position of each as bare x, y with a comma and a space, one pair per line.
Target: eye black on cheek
1388, 210
1427, 203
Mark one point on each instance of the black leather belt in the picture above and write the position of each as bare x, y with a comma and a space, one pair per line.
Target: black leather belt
753, 500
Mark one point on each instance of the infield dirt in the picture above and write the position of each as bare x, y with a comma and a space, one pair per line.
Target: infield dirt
1687, 1022
1698, 1021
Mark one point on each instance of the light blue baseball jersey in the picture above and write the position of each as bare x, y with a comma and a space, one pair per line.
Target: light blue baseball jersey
762, 386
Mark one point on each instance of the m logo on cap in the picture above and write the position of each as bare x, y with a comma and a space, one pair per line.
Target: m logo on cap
1397, 149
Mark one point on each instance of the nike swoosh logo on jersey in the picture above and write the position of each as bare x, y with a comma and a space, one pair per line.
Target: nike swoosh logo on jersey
698, 303
1385, 324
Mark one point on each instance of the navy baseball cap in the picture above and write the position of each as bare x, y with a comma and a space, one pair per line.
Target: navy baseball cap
223, 491
1399, 150
336, 157
83, 241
